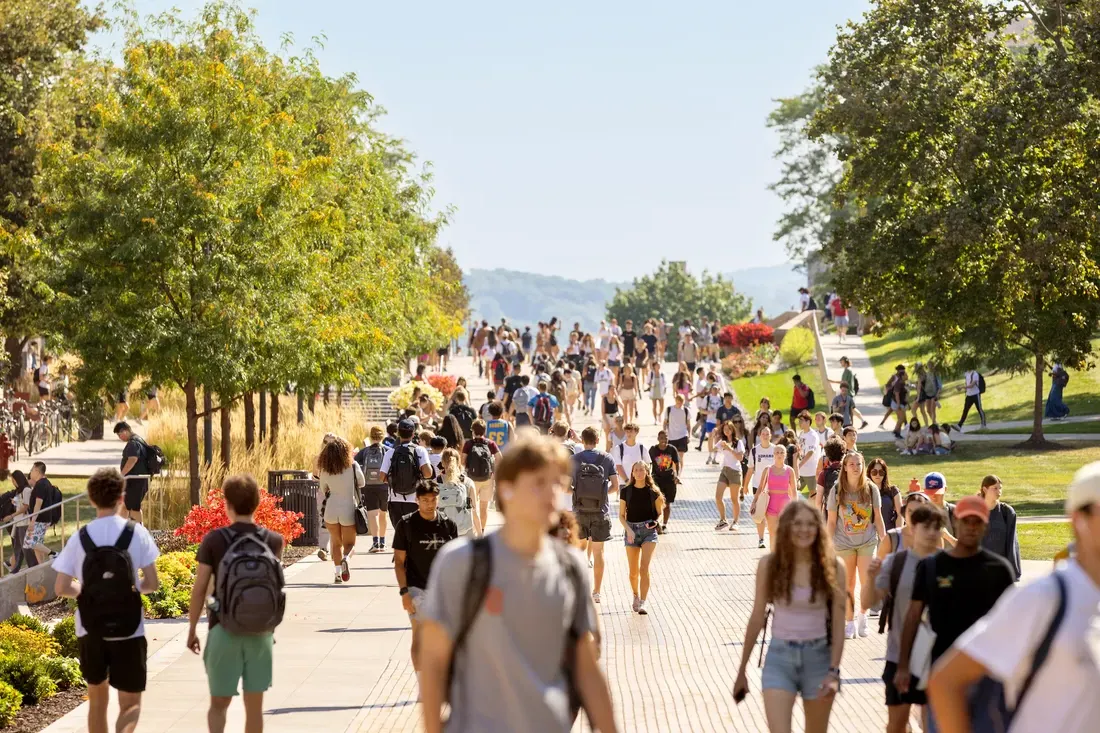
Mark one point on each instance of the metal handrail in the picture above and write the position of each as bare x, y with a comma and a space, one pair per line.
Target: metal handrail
24, 517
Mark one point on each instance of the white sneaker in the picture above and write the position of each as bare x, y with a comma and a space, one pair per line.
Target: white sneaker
595, 597
861, 624
849, 630
637, 604
338, 580
641, 609
322, 554
733, 527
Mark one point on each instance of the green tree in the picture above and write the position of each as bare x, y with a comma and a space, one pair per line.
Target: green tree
674, 294
971, 155
40, 42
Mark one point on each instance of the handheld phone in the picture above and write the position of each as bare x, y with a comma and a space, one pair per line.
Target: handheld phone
739, 696
651, 525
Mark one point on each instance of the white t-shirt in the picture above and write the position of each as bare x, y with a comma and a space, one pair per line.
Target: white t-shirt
729, 454
617, 331
701, 386
810, 445
712, 402
677, 423
422, 458
23, 502
603, 380
488, 353
759, 459
684, 331
804, 300
1063, 694
971, 378
105, 531
602, 337
823, 436
627, 455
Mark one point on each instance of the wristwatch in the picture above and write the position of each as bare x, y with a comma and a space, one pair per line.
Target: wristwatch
404, 591
836, 671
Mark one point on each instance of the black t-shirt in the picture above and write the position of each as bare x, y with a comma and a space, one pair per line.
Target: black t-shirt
421, 540
135, 448
590, 373
966, 589
511, 384
650, 343
641, 503
727, 413
665, 461
628, 342
215, 543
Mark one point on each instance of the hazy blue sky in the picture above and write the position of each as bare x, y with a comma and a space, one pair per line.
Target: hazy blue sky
623, 131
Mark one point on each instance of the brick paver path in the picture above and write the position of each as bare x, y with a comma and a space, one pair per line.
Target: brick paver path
342, 654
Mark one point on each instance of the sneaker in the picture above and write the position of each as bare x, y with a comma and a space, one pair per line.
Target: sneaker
641, 609
865, 424
761, 545
733, 527
873, 613
322, 554
590, 563
374, 548
637, 604
849, 630
595, 597
722, 524
337, 580
861, 625
664, 527
345, 572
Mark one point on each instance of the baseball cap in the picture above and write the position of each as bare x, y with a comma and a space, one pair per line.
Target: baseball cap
915, 496
406, 426
972, 506
935, 483
1084, 489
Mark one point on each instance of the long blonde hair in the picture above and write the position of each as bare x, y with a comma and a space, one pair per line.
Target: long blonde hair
863, 487
450, 466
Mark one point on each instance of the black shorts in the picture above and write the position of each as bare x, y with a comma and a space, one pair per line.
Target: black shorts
43, 391
691, 367
375, 497
136, 489
121, 662
680, 444
592, 526
667, 485
893, 697
121, 398
398, 509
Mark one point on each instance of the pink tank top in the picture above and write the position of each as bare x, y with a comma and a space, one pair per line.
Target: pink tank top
800, 620
779, 483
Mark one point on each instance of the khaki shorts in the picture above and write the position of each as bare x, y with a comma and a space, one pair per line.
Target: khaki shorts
730, 476
867, 550
484, 490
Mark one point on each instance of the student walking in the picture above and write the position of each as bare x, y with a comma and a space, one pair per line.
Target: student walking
594, 478
339, 480
628, 452
135, 467
479, 456
666, 473
375, 494
110, 625
640, 506
657, 387
731, 446
804, 583
761, 456
778, 487
21, 503
678, 425
1000, 538
404, 467
855, 524
974, 386
458, 495
891, 497
810, 447
244, 562
528, 648
1050, 660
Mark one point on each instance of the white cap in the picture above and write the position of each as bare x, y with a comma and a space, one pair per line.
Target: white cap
1084, 489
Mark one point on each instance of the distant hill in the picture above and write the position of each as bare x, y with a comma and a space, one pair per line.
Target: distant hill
526, 298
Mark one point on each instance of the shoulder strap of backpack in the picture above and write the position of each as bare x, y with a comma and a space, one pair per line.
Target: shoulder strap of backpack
86, 541
1043, 649
896, 568
477, 586
125, 537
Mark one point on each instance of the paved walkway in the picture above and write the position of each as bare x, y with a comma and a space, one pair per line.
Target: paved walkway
75, 459
342, 659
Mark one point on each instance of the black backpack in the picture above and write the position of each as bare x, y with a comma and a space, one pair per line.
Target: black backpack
51, 502
479, 462
372, 464
589, 487
981, 384
109, 602
7, 502
404, 473
249, 585
811, 400
855, 384
465, 416
154, 458
37, 375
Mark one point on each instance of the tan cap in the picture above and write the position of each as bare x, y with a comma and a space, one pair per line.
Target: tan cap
1084, 489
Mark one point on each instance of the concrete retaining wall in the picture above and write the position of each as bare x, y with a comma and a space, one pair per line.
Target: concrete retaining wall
828, 388
32, 586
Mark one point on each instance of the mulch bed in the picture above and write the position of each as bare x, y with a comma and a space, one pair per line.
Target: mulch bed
33, 718
54, 610
292, 554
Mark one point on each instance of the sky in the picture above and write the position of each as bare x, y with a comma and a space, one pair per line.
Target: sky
581, 139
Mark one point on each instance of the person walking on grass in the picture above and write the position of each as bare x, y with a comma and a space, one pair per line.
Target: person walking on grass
110, 625
731, 446
243, 561
973, 385
778, 486
528, 647
805, 584
640, 506
339, 480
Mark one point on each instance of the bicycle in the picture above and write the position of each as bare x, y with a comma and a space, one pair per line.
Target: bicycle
43, 431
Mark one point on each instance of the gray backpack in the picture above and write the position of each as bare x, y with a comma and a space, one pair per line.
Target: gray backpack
249, 586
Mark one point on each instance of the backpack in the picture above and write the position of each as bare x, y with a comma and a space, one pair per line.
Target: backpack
455, 505
404, 473
465, 416
499, 364
981, 383
855, 384
509, 348
7, 502
372, 464
811, 400
154, 458
249, 585
589, 487
897, 565
37, 375
53, 499
812, 305
479, 462
109, 603
829, 479
544, 410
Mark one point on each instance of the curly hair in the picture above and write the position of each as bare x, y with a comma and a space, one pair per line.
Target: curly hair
335, 457
565, 529
823, 563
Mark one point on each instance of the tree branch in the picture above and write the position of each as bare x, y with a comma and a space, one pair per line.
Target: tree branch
220, 407
1039, 20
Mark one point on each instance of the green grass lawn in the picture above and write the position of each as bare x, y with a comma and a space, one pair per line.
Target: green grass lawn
1043, 540
69, 487
778, 388
1050, 428
1007, 397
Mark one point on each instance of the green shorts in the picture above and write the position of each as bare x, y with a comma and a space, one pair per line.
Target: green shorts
232, 659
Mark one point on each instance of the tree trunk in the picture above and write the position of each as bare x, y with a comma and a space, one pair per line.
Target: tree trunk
226, 428
324, 395
1038, 438
301, 406
194, 480
13, 345
312, 401
263, 414
207, 427
340, 397
274, 418
249, 421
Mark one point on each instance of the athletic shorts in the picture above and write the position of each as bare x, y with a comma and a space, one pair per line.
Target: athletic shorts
592, 526
691, 367
375, 497
893, 697
841, 321
798, 667
122, 662
398, 509
708, 426
136, 489
730, 476
667, 486
680, 444
809, 483
237, 660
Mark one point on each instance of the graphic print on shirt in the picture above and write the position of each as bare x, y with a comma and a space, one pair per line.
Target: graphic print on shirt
434, 542
855, 517
663, 463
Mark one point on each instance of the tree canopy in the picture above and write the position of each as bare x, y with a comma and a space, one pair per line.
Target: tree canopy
674, 294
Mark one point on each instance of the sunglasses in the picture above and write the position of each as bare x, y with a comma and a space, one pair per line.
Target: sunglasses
876, 472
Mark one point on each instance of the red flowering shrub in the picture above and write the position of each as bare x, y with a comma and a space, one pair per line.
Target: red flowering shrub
745, 335
445, 383
202, 519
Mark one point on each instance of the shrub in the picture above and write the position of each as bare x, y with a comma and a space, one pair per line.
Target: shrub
202, 519
176, 571
745, 335
445, 383
797, 347
64, 671
28, 675
23, 621
24, 641
64, 633
11, 701
749, 363
401, 396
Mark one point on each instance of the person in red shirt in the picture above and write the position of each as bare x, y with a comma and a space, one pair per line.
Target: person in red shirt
840, 317
801, 399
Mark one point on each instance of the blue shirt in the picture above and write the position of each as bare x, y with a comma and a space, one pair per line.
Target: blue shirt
498, 431
553, 400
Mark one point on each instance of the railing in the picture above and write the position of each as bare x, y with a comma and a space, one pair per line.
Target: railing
74, 502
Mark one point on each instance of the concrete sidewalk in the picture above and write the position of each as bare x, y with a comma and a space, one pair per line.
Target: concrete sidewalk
75, 459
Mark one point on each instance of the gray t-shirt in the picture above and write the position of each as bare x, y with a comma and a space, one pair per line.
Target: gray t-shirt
507, 676
603, 460
855, 521
902, 596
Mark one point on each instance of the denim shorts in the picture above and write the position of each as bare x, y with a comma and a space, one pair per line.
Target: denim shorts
796, 666
642, 534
